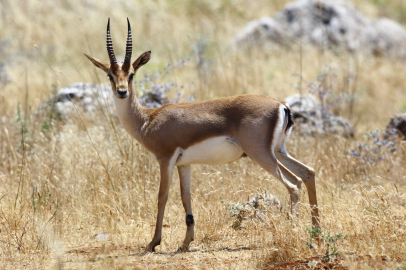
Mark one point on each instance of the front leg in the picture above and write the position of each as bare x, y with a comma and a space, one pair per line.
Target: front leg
166, 168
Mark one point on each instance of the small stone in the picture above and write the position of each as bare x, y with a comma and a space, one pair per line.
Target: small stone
101, 237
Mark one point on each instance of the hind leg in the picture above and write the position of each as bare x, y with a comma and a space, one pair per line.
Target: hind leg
307, 174
268, 161
185, 174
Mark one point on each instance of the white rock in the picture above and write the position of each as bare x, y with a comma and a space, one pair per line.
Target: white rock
309, 117
334, 24
90, 98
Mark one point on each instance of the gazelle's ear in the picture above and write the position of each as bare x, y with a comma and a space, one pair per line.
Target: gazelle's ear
99, 63
142, 60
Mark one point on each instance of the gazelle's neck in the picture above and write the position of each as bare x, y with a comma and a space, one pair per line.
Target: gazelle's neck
131, 114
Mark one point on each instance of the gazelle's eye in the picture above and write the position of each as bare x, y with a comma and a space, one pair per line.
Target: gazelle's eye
130, 77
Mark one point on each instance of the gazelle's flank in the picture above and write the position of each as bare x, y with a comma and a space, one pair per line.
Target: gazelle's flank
210, 132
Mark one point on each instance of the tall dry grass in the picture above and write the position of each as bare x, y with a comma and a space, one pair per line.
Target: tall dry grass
83, 195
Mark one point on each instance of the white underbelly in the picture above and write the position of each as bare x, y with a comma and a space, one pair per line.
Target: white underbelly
213, 151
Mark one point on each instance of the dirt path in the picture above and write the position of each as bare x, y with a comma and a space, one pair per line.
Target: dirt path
109, 255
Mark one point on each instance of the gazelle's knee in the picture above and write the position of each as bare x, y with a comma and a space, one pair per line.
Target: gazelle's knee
312, 173
309, 177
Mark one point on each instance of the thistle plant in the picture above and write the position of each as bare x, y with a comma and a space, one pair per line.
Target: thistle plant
377, 146
329, 242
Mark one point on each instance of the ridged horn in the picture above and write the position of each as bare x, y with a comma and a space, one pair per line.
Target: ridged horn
109, 44
128, 49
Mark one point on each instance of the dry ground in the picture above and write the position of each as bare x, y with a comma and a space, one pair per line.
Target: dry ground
82, 194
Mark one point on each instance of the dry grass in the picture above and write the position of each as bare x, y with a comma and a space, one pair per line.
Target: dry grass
62, 189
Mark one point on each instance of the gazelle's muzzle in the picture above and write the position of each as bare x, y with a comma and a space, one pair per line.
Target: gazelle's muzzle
122, 93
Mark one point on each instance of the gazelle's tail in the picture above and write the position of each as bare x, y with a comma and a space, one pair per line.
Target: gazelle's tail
289, 119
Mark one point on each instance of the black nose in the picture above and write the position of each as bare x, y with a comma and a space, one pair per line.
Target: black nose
122, 93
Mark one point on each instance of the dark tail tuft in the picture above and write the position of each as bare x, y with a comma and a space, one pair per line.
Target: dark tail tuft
288, 114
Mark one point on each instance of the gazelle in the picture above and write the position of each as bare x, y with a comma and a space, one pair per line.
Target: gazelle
216, 131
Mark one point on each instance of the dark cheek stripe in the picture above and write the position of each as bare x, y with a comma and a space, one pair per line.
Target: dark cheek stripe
189, 220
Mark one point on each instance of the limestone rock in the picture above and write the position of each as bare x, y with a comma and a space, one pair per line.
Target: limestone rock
255, 209
91, 98
333, 24
310, 118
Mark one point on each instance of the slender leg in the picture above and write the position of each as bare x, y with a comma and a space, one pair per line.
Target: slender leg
293, 184
308, 176
268, 161
166, 177
185, 175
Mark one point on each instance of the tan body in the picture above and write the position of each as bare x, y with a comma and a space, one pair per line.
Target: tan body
209, 132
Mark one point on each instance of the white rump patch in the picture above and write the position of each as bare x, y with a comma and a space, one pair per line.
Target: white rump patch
279, 135
213, 151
